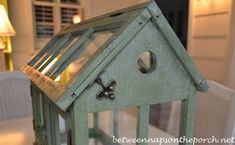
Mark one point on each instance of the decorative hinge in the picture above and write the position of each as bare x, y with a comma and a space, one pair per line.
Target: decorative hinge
107, 91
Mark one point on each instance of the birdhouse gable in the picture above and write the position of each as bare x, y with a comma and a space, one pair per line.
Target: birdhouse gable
108, 57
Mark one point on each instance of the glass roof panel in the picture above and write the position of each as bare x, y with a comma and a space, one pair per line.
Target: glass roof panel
57, 54
72, 48
43, 53
79, 59
61, 43
68, 54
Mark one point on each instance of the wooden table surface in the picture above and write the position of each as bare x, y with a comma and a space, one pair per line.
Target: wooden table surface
17, 132
127, 127
20, 131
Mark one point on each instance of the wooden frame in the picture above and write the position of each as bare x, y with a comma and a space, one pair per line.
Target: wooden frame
136, 30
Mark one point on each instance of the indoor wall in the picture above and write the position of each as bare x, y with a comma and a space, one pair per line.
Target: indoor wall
94, 8
209, 38
231, 75
20, 13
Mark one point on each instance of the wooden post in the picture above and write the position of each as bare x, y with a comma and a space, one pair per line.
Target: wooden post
56, 136
79, 120
187, 115
143, 123
96, 126
116, 123
47, 118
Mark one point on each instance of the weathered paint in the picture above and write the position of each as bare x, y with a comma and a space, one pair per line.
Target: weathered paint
141, 28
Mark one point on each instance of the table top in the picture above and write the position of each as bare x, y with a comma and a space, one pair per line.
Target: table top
20, 131
127, 128
17, 132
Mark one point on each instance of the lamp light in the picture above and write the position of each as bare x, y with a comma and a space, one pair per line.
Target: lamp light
76, 19
6, 28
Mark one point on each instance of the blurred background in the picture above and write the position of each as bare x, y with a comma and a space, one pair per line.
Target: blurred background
205, 27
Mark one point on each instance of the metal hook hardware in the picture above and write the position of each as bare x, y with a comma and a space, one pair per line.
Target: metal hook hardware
107, 91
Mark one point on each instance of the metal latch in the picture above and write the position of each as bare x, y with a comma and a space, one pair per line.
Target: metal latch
107, 91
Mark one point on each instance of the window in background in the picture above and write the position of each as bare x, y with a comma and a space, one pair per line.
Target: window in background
53, 15
45, 0
44, 21
67, 15
69, 1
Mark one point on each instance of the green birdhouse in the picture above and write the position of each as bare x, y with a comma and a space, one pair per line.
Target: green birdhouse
128, 58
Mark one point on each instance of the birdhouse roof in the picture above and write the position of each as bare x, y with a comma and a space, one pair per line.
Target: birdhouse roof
73, 58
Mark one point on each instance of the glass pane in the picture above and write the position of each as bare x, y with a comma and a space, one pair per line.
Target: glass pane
98, 40
91, 46
50, 48
63, 130
55, 53
166, 117
113, 124
159, 115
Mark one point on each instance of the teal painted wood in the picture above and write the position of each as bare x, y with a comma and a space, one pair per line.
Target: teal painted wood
97, 63
35, 106
187, 115
116, 124
96, 127
106, 139
43, 51
177, 48
143, 123
79, 120
40, 139
75, 47
47, 118
117, 43
107, 21
39, 116
49, 57
130, 90
139, 29
55, 126
68, 131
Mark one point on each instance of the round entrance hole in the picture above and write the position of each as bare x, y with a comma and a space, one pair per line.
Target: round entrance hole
147, 62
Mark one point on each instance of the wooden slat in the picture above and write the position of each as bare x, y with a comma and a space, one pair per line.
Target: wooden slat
213, 69
210, 48
52, 89
96, 127
106, 139
67, 56
103, 22
143, 123
187, 115
89, 73
43, 51
215, 6
214, 25
55, 126
178, 49
79, 122
57, 46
